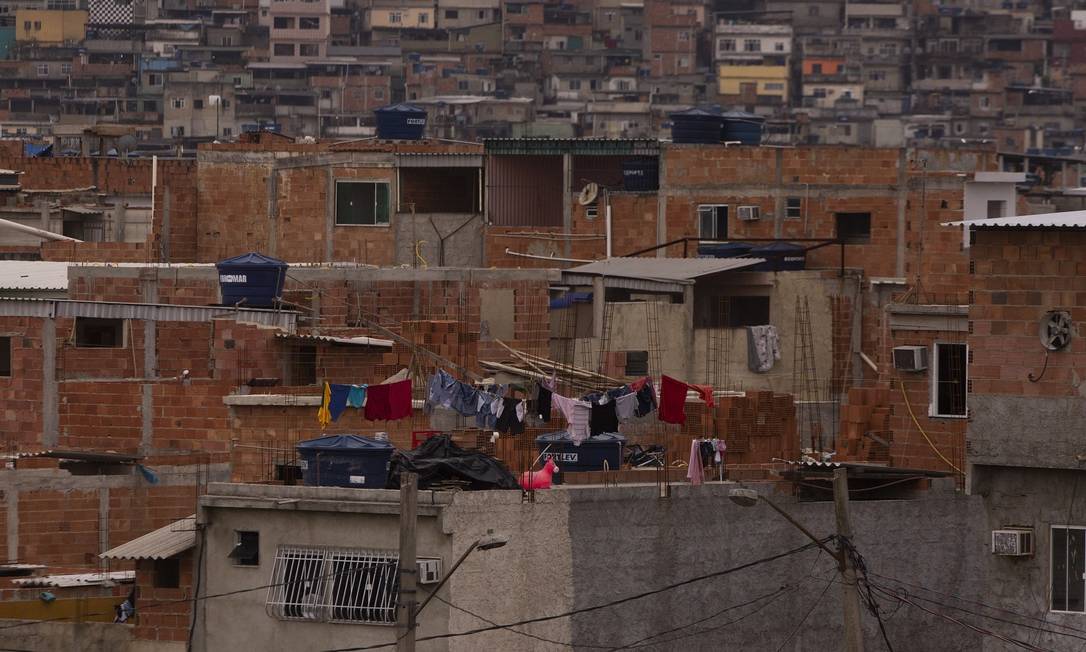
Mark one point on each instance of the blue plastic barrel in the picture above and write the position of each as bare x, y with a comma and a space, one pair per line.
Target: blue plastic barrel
641, 174
742, 127
780, 256
723, 249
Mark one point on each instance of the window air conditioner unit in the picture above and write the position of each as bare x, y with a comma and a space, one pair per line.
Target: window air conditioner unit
911, 358
1012, 543
429, 571
749, 213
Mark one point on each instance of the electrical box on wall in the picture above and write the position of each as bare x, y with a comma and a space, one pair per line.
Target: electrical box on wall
1012, 542
910, 358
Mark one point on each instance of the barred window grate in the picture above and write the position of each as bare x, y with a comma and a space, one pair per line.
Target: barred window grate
337, 585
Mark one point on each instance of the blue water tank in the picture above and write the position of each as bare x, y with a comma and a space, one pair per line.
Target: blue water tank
779, 257
723, 249
345, 461
400, 122
742, 127
605, 450
695, 125
251, 280
641, 174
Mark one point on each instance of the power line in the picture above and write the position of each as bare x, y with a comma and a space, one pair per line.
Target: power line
631, 598
772, 597
807, 615
975, 628
769, 597
543, 639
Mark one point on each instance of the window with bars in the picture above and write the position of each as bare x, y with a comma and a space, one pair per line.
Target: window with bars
949, 380
337, 585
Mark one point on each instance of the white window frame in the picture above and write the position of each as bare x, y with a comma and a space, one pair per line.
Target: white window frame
727, 217
1051, 556
371, 602
933, 405
752, 213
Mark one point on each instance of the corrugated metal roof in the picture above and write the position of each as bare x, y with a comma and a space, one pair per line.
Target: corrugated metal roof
33, 275
1063, 220
439, 160
83, 210
24, 307
675, 270
164, 542
357, 341
79, 579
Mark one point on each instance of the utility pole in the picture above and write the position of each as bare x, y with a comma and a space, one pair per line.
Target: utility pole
407, 604
854, 638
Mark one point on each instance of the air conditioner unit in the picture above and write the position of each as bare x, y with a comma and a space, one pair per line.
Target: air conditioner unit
911, 358
429, 571
749, 213
1016, 542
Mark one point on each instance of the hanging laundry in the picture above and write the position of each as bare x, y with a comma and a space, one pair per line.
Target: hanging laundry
577, 414
439, 391
337, 400
695, 473
603, 418
323, 416
646, 397
721, 448
465, 399
706, 393
508, 421
626, 407
543, 403
763, 348
484, 418
356, 398
388, 402
672, 400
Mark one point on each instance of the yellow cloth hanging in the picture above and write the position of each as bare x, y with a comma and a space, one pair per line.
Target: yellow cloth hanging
324, 416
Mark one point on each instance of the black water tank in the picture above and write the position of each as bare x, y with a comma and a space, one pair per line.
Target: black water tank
695, 125
641, 174
345, 461
742, 127
251, 280
400, 122
723, 249
780, 257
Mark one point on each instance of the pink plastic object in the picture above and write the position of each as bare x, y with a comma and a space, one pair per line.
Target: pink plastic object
539, 479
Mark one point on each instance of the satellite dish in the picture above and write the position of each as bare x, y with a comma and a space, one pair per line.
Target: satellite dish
1056, 330
588, 194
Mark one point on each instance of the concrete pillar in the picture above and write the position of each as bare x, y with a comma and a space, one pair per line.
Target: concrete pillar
688, 329
902, 202
120, 221
11, 499
50, 414
164, 217
598, 298
778, 193
661, 207
103, 525
273, 201
147, 413
44, 213
330, 219
567, 203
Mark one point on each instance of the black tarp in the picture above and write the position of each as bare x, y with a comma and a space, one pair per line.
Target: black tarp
438, 459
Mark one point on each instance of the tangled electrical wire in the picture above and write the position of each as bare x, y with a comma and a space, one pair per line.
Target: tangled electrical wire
867, 593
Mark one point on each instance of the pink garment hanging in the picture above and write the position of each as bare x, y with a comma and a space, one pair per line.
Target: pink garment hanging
694, 472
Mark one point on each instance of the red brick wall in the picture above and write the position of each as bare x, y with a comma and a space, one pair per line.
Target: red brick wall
96, 252
170, 616
58, 527
1019, 276
20, 394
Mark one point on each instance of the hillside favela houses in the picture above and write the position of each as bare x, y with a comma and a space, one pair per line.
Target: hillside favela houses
456, 385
